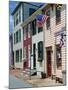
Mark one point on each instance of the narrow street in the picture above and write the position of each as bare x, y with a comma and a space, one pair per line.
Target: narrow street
15, 83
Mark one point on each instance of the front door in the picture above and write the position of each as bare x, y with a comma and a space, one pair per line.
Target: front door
48, 62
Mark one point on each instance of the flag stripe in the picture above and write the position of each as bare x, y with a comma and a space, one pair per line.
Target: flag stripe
41, 19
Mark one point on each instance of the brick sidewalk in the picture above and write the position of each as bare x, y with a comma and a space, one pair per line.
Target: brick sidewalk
15, 72
36, 82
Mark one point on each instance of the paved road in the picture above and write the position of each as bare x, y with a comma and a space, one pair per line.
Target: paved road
15, 83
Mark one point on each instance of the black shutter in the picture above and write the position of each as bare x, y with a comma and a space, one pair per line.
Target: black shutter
33, 27
40, 51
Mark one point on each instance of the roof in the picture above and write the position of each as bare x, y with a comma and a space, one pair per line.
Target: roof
19, 4
32, 17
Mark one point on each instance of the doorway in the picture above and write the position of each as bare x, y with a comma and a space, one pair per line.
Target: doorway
48, 54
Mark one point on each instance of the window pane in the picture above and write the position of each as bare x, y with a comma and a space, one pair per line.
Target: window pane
19, 16
16, 37
19, 35
20, 55
40, 51
24, 33
40, 29
48, 20
31, 11
24, 52
17, 56
34, 27
58, 14
14, 21
58, 56
16, 18
29, 31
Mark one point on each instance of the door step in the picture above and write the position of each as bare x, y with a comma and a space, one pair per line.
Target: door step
30, 72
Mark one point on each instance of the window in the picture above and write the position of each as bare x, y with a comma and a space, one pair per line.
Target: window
24, 33
43, 11
16, 18
19, 16
19, 32
29, 30
14, 38
33, 27
58, 14
58, 56
40, 51
24, 52
48, 20
31, 11
20, 55
34, 49
14, 21
17, 56
17, 37
40, 29
26, 29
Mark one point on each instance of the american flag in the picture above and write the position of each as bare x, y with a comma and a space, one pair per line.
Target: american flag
40, 18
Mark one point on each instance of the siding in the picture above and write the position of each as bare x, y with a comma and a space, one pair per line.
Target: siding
23, 7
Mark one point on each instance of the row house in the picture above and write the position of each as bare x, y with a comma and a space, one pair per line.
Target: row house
55, 41
34, 52
48, 43
32, 45
26, 46
22, 11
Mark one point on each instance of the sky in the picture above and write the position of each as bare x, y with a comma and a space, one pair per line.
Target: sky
12, 5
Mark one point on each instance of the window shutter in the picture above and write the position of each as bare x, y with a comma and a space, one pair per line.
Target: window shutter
40, 51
